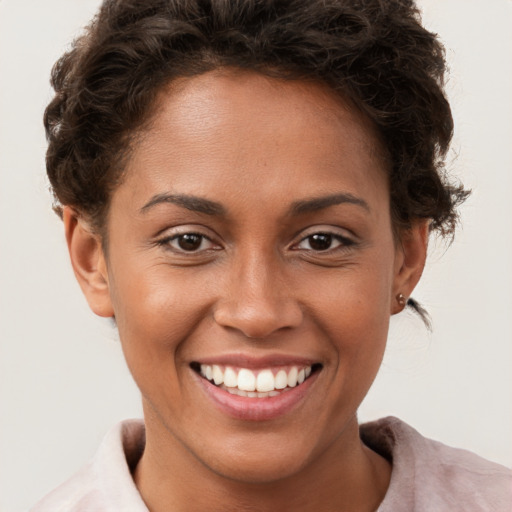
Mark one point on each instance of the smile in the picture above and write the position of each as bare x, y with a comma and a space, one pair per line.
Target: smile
262, 383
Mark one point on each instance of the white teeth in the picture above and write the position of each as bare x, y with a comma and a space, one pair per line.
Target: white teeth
265, 381
217, 374
207, 371
261, 384
246, 380
230, 378
292, 377
281, 380
251, 394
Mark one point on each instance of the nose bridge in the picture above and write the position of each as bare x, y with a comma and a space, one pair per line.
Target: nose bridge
258, 300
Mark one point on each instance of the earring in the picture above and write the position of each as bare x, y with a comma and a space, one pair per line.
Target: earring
402, 301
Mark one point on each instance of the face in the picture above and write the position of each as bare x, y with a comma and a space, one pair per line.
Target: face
251, 251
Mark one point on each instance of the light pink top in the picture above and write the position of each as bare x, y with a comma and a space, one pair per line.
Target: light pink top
426, 476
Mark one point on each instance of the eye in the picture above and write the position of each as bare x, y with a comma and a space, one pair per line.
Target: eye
189, 242
323, 241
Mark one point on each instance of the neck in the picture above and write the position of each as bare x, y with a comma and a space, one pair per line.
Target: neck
348, 476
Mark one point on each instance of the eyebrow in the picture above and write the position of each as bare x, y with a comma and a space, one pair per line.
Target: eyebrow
319, 203
194, 203
208, 207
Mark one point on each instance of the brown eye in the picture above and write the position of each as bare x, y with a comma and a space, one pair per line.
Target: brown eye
320, 241
189, 241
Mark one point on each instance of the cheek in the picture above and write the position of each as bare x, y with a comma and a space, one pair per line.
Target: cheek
357, 333
352, 308
155, 314
151, 298
357, 327
355, 301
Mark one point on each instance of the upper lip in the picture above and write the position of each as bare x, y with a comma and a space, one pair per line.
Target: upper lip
255, 363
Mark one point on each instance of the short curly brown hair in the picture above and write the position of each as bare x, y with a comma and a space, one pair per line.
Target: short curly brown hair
375, 52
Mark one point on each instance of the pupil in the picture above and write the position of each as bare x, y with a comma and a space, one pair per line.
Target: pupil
320, 241
189, 242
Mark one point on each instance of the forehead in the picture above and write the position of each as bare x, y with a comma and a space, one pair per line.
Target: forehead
226, 127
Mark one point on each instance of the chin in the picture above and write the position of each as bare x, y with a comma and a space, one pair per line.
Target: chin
258, 468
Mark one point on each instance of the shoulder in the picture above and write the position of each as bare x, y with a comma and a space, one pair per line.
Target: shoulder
428, 475
105, 484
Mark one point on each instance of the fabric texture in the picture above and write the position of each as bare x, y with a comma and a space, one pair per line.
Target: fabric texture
427, 476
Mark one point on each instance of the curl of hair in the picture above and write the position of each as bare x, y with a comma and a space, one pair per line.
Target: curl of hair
374, 52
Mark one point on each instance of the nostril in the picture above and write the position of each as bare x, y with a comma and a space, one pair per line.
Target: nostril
259, 320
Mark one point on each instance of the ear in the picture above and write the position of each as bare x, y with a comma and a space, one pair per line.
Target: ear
88, 262
411, 253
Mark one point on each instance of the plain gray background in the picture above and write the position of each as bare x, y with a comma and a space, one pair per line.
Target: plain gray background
63, 382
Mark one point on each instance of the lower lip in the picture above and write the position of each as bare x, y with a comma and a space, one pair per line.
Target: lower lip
256, 409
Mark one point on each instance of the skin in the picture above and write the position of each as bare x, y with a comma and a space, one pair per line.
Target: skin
256, 286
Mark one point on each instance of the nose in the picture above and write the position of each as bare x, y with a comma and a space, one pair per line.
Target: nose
258, 301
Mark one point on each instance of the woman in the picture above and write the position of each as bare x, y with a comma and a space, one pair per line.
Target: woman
248, 189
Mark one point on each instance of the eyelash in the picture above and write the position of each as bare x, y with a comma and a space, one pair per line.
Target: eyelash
167, 242
343, 243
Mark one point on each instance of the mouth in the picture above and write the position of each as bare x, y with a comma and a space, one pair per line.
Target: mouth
251, 383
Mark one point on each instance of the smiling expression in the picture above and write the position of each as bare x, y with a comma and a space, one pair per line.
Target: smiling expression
251, 251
